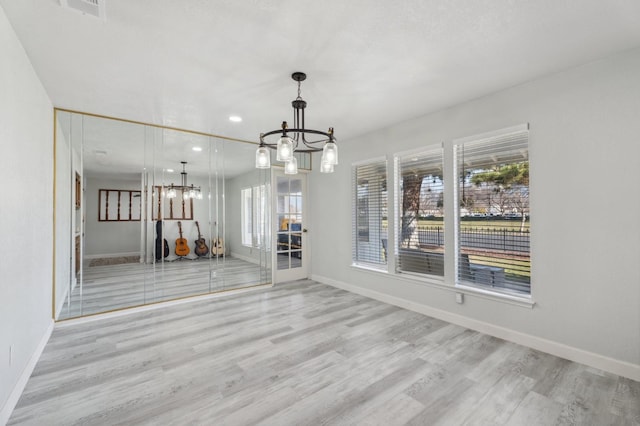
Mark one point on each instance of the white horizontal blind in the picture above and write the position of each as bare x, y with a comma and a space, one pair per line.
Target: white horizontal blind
492, 198
246, 217
369, 230
259, 218
420, 212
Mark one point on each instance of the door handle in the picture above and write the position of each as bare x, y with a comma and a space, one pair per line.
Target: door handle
304, 230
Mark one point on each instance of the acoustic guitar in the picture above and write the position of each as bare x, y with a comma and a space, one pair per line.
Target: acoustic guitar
217, 247
201, 245
182, 249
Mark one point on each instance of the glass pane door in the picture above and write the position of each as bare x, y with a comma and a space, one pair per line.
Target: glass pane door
290, 262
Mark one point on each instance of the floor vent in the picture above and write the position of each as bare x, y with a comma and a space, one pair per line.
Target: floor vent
86, 7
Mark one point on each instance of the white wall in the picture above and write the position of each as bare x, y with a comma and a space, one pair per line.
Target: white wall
26, 141
112, 238
584, 165
63, 249
108, 238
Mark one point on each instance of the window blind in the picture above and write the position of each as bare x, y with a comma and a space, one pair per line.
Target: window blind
254, 215
492, 199
369, 238
260, 226
246, 217
420, 213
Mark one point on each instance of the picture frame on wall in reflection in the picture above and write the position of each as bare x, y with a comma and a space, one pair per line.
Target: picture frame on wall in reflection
177, 208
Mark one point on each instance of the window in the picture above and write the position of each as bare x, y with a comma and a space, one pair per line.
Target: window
246, 217
420, 213
460, 213
260, 214
118, 205
492, 199
370, 214
254, 215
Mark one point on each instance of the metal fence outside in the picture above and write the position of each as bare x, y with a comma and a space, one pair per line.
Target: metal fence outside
507, 240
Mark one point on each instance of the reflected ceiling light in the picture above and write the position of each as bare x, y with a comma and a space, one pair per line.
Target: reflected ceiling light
101, 156
188, 191
196, 149
169, 170
235, 118
295, 140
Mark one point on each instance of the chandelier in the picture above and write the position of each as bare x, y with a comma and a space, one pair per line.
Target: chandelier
187, 191
298, 139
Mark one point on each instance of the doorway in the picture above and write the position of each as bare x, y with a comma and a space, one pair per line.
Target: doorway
291, 248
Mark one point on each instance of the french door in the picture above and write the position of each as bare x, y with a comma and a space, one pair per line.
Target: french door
289, 223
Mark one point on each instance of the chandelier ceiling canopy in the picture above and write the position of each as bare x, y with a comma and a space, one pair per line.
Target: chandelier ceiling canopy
297, 139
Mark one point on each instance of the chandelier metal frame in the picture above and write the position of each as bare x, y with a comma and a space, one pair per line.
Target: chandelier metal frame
298, 132
295, 140
188, 191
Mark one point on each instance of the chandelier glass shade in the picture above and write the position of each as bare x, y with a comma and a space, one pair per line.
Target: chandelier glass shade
297, 139
291, 166
263, 158
188, 191
326, 167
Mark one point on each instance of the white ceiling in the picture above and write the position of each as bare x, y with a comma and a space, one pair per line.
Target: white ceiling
370, 63
122, 150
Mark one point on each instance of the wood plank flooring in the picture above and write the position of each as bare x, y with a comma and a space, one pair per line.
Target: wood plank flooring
110, 287
304, 353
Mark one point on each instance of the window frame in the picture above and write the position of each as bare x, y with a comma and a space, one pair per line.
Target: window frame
375, 234
430, 273
451, 220
490, 271
246, 216
254, 215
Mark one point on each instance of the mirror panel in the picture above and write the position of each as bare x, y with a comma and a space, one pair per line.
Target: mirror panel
149, 214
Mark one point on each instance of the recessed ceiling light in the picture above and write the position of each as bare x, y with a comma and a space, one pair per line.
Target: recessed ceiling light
235, 118
196, 149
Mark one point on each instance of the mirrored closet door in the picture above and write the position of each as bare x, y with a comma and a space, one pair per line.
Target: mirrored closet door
145, 214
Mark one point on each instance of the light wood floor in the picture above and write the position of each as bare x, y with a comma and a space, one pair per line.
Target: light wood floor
110, 287
305, 353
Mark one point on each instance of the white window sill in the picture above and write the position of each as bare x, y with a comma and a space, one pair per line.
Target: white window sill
371, 268
512, 299
516, 300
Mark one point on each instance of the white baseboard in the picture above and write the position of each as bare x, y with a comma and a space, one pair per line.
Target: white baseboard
245, 258
15, 394
621, 368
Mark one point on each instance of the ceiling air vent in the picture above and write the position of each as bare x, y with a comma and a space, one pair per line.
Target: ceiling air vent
86, 7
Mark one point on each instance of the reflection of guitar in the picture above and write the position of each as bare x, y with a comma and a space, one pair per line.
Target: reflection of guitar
217, 247
182, 249
201, 245
162, 246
